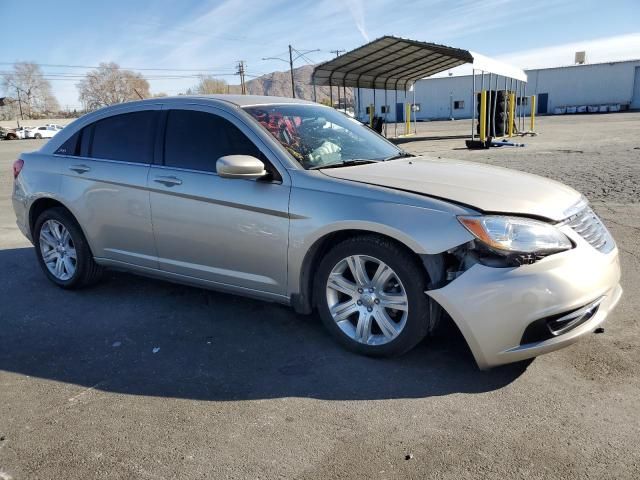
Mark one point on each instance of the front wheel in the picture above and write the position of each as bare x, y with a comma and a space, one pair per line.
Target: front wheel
37, 136
370, 295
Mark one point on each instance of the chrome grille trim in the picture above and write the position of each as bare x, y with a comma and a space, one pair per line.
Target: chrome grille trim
587, 224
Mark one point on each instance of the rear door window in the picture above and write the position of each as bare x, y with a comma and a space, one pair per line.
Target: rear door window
128, 137
196, 140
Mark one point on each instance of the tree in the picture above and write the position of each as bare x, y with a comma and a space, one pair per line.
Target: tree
27, 87
208, 85
109, 84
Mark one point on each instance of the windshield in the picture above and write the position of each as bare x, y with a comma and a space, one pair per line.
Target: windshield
319, 137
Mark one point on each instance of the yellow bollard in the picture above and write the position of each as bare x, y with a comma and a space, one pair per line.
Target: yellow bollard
483, 116
533, 113
512, 112
371, 111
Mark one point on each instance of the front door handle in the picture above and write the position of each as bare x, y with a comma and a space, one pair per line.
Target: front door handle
79, 168
168, 181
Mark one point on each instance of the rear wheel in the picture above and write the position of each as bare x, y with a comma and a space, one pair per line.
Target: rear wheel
62, 250
37, 136
370, 295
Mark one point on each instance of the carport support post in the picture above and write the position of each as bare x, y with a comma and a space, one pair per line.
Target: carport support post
495, 107
514, 119
490, 129
330, 95
358, 92
415, 112
395, 124
473, 104
386, 107
483, 115
524, 114
505, 98
373, 113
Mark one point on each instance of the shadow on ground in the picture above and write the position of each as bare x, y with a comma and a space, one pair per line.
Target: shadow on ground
212, 346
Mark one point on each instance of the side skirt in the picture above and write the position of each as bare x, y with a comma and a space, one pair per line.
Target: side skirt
191, 281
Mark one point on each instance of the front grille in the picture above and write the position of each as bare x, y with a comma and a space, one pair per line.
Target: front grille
587, 224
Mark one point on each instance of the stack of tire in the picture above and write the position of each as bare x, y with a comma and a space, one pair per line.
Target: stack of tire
497, 113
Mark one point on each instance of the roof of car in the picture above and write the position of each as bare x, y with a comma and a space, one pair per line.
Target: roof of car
239, 100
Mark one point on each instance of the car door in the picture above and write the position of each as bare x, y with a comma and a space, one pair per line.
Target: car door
229, 231
104, 182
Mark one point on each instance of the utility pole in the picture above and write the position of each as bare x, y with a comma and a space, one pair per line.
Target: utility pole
290, 62
338, 52
293, 87
19, 103
240, 72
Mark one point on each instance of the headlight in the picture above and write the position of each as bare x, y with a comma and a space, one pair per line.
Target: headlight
516, 235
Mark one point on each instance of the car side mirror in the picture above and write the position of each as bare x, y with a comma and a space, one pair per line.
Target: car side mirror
240, 166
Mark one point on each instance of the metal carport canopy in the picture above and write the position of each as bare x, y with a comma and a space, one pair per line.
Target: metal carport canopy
392, 63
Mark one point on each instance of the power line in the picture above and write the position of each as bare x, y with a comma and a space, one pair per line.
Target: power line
52, 65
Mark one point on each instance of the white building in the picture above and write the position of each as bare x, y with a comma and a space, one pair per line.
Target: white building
575, 85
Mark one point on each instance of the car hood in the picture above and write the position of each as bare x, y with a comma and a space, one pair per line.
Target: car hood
484, 187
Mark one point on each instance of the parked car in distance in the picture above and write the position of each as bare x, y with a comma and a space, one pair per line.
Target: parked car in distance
21, 132
42, 132
293, 202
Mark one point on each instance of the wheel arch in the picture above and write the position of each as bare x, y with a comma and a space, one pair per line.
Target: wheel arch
42, 204
302, 301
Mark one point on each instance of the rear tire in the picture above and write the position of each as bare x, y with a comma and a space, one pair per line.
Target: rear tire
69, 261
359, 312
37, 136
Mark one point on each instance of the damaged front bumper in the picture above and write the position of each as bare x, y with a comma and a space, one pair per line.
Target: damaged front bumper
494, 307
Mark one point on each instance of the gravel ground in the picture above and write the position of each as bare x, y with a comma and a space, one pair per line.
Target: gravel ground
243, 389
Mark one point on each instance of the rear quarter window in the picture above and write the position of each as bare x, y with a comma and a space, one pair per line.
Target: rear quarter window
71, 146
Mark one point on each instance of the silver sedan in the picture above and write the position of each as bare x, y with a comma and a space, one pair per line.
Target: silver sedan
293, 202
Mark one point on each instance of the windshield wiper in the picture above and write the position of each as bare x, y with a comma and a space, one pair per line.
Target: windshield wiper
402, 154
345, 163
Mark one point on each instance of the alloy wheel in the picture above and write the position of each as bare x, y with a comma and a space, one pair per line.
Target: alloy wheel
58, 250
367, 300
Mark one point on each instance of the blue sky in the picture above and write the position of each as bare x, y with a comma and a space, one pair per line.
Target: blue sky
214, 35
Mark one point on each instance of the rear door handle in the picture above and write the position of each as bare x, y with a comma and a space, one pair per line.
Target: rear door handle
168, 181
79, 168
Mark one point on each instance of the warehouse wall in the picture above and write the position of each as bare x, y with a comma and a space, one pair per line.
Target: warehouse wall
585, 84
574, 85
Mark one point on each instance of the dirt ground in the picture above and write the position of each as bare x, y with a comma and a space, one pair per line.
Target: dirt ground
243, 389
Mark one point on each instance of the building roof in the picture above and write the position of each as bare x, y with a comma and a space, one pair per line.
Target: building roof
390, 63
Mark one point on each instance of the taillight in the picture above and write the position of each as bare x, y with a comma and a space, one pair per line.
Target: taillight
17, 168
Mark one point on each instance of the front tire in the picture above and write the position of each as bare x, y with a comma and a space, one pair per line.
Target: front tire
62, 250
369, 292
37, 136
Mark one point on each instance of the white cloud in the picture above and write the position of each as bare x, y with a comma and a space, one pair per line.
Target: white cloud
607, 49
356, 9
